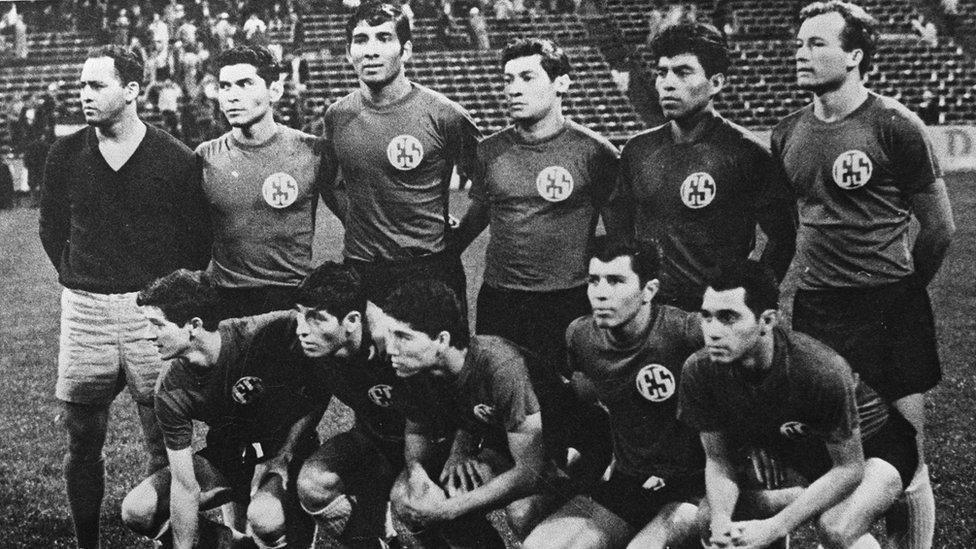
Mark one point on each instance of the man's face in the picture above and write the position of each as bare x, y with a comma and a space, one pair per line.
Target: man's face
531, 94
376, 53
731, 329
103, 95
682, 87
171, 340
821, 62
615, 292
320, 333
244, 97
411, 351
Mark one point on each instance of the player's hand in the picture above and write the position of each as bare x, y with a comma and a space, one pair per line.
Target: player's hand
755, 533
425, 501
719, 535
464, 476
766, 468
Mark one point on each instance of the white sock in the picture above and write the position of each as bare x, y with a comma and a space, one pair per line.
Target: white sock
333, 517
919, 507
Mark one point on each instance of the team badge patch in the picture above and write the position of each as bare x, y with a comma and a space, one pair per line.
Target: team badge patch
852, 170
405, 152
655, 383
793, 430
554, 183
381, 395
280, 190
698, 190
483, 412
247, 389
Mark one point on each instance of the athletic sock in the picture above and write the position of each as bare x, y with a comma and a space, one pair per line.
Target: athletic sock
917, 509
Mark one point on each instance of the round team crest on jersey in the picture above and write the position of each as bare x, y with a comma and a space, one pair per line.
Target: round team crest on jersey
280, 190
483, 412
698, 190
655, 383
381, 395
554, 183
247, 389
793, 430
852, 170
405, 152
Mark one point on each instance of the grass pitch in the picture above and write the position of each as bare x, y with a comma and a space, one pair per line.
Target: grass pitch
33, 509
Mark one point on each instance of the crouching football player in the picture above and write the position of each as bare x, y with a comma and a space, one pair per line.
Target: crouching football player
345, 484
245, 379
477, 393
756, 384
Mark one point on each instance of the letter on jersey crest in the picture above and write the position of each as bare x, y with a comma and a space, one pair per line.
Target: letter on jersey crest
405, 152
655, 383
793, 430
483, 412
852, 170
381, 395
247, 389
280, 190
554, 183
698, 190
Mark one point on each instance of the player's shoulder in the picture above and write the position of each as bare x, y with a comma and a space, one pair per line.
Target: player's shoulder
498, 356
580, 328
889, 111
164, 143
176, 376
579, 132
296, 139
647, 139
788, 123
497, 142
71, 142
741, 137
436, 100
214, 147
351, 102
812, 358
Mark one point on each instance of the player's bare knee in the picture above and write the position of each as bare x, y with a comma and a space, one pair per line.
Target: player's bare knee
317, 487
140, 510
266, 518
835, 531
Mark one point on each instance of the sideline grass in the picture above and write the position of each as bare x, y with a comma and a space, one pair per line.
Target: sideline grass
32, 504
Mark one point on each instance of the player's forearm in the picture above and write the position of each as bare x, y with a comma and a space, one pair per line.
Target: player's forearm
336, 203
302, 428
822, 494
721, 491
54, 226
184, 509
516, 483
472, 224
931, 248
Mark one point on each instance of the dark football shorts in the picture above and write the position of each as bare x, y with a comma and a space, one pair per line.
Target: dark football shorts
365, 463
894, 443
626, 497
886, 334
380, 278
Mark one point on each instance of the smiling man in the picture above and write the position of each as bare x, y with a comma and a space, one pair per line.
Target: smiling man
757, 384
632, 350
247, 380
261, 179
120, 206
396, 143
477, 393
861, 167
698, 184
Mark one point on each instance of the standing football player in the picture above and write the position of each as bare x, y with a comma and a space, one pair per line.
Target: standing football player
861, 167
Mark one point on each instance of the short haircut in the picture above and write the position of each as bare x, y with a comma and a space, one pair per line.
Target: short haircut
182, 296
429, 306
376, 13
699, 39
860, 30
334, 288
257, 56
554, 60
762, 292
128, 65
645, 257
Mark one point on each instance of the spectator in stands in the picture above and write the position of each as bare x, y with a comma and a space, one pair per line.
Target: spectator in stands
169, 105
15, 104
255, 30
20, 38
504, 13
408, 11
950, 15
47, 110
224, 31
35, 156
655, 20
6, 185
187, 34
444, 27
120, 28
927, 32
135, 45
929, 109
478, 28
158, 31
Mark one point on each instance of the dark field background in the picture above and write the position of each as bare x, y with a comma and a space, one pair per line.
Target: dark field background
33, 509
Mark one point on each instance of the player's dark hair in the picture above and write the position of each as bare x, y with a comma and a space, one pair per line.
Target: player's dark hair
334, 288
128, 65
257, 56
554, 60
860, 29
645, 257
429, 306
182, 296
762, 292
376, 13
699, 39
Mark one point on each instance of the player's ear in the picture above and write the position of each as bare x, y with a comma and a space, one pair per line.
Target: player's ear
651, 287
277, 88
717, 81
352, 319
406, 50
769, 319
443, 341
562, 83
854, 58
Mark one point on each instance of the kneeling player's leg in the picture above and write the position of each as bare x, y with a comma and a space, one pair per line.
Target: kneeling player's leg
845, 524
675, 525
266, 513
581, 523
345, 485
911, 522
